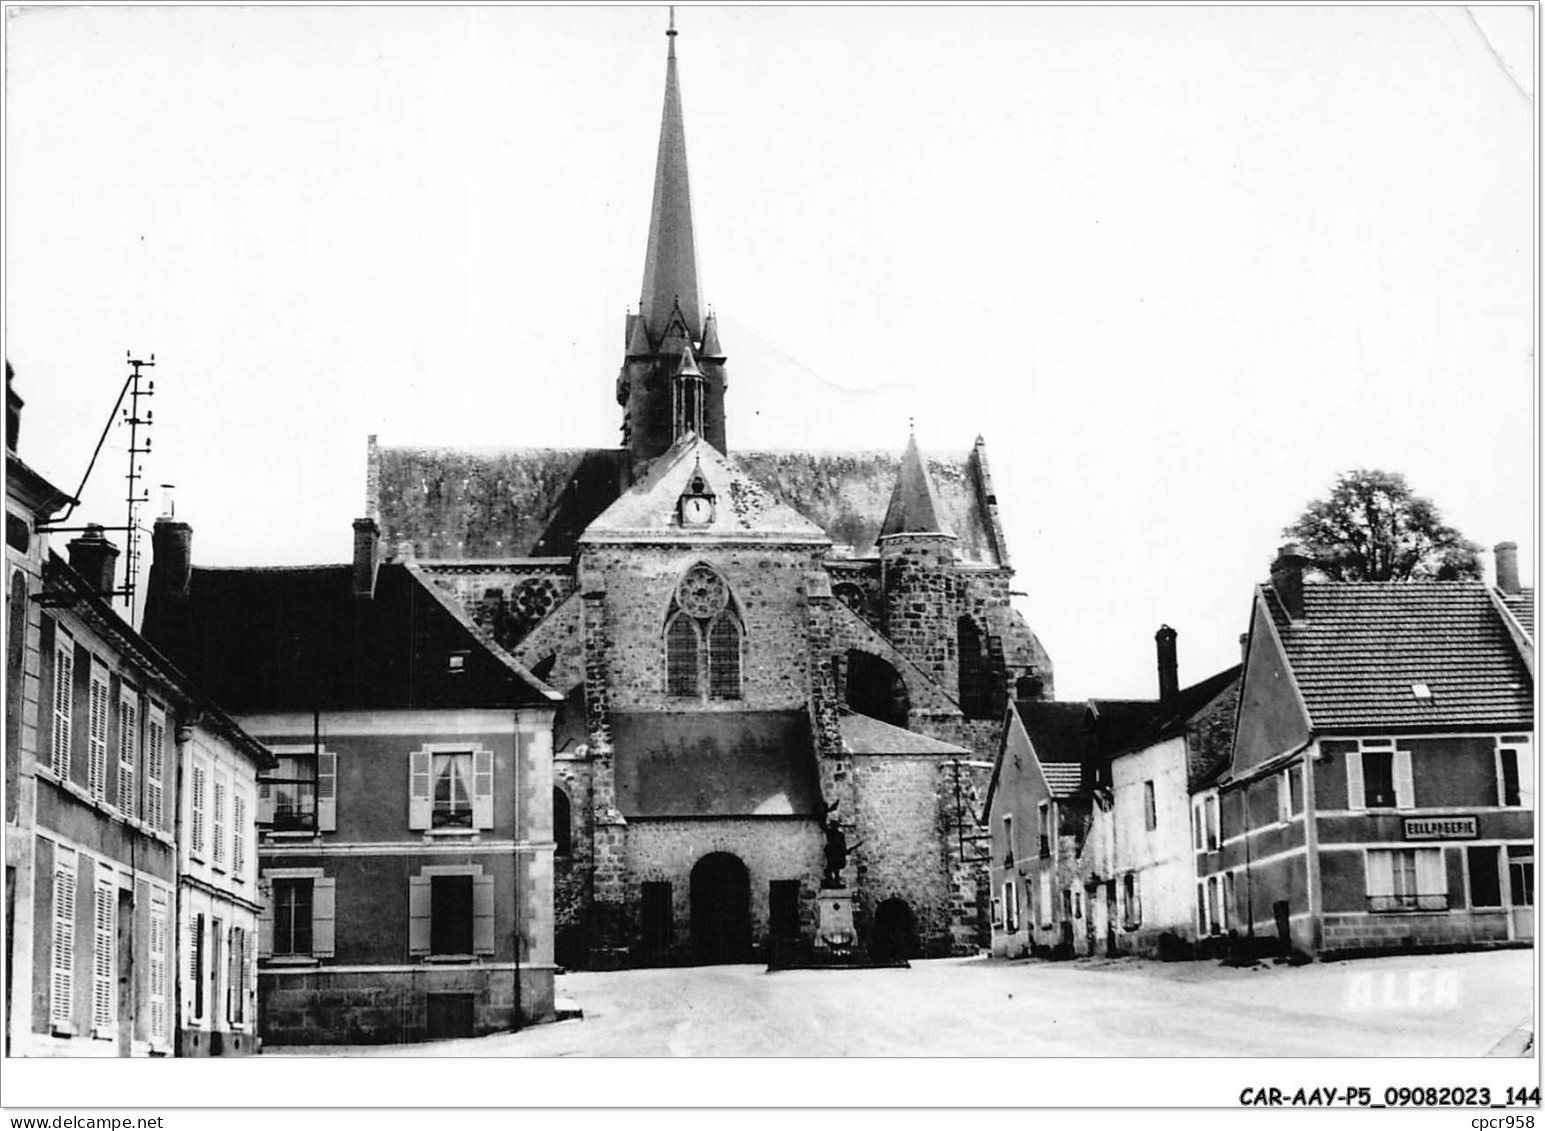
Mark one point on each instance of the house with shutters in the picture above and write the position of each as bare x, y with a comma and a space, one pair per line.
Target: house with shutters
406, 836
1381, 790
113, 925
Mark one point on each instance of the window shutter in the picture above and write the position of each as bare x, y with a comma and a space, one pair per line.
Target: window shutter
419, 800
482, 914
1526, 776
96, 765
1431, 879
158, 920
103, 985
265, 809
1356, 798
482, 789
155, 768
196, 809
64, 687
323, 903
418, 912
327, 791
62, 982
265, 947
1381, 872
1405, 794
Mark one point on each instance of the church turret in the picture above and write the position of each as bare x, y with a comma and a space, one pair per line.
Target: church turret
669, 326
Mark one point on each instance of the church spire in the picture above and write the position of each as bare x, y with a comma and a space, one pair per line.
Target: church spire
914, 506
670, 259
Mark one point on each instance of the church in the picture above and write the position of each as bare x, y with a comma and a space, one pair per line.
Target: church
748, 644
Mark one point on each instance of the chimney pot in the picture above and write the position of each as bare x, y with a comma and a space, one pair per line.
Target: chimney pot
94, 558
1507, 567
1287, 578
1169, 666
367, 556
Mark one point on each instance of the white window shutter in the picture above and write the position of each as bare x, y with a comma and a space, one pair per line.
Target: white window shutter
104, 986
327, 791
1405, 793
419, 798
265, 947
323, 904
1381, 872
1526, 776
62, 983
1431, 879
483, 789
1356, 798
482, 914
419, 898
265, 809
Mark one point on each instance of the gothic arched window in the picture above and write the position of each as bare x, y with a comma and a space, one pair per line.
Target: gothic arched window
702, 639
563, 838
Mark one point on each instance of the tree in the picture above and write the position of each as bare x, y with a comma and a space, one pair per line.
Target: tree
1371, 527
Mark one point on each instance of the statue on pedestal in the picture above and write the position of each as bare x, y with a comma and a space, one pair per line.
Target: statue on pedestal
836, 850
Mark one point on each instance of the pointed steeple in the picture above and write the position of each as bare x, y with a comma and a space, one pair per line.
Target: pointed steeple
670, 260
711, 347
914, 506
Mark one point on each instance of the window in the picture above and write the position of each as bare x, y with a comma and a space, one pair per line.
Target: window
219, 821
157, 980
450, 788
1067, 903
236, 1006
1008, 840
453, 790
1150, 807
292, 911
1201, 910
1295, 787
563, 836
1132, 909
215, 942
1210, 808
297, 919
64, 695
450, 913
96, 765
1284, 797
293, 788
61, 985
1516, 777
1407, 879
1043, 818
104, 984
128, 752
702, 639
196, 964
1214, 919
1485, 884
1379, 777
197, 798
155, 767
1520, 874
1228, 898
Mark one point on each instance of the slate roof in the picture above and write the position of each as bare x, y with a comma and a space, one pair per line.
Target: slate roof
500, 503
715, 764
281, 639
914, 507
864, 735
1362, 646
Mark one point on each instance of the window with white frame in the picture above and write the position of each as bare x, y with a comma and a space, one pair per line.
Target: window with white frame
450, 912
1043, 901
1515, 773
61, 984
64, 702
128, 752
96, 764
1043, 822
1010, 906
1379, 775
217, 822
104, 985
1150, 807
1214, 919
1204, 815
1520, 874
1008, 840
451, 789
298, 918
155, 767
1284, 797
300, 794
1406, 879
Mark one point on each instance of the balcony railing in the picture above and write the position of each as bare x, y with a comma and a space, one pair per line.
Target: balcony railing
1409, 902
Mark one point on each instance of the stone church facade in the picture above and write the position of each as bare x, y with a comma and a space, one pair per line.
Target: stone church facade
743, 640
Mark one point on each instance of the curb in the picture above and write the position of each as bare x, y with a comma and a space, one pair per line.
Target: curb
1517, 1043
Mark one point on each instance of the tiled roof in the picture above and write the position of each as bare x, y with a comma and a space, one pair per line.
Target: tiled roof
298, 639
716, 764
1063, 778
864, 735
1362, 647
1521, 605
1070, 737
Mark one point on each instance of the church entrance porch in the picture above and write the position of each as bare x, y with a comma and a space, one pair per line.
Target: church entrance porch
721, 909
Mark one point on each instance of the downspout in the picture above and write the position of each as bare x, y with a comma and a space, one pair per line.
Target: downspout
183, 737
515, 832
1312, 854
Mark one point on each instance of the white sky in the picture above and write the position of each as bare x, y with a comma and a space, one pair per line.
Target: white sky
1179, 266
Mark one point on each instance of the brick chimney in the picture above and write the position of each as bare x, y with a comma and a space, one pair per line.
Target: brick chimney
1169, 665
13, 403
171, 557
1287, 578
1507, 567
94, 558
367, 556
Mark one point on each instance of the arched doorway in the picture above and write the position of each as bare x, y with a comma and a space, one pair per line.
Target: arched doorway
895, 933
876, 689
721, 909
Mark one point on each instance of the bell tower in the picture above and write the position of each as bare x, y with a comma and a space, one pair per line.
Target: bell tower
673, 377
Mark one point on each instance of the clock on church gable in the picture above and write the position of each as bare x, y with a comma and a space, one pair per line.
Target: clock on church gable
697, 504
